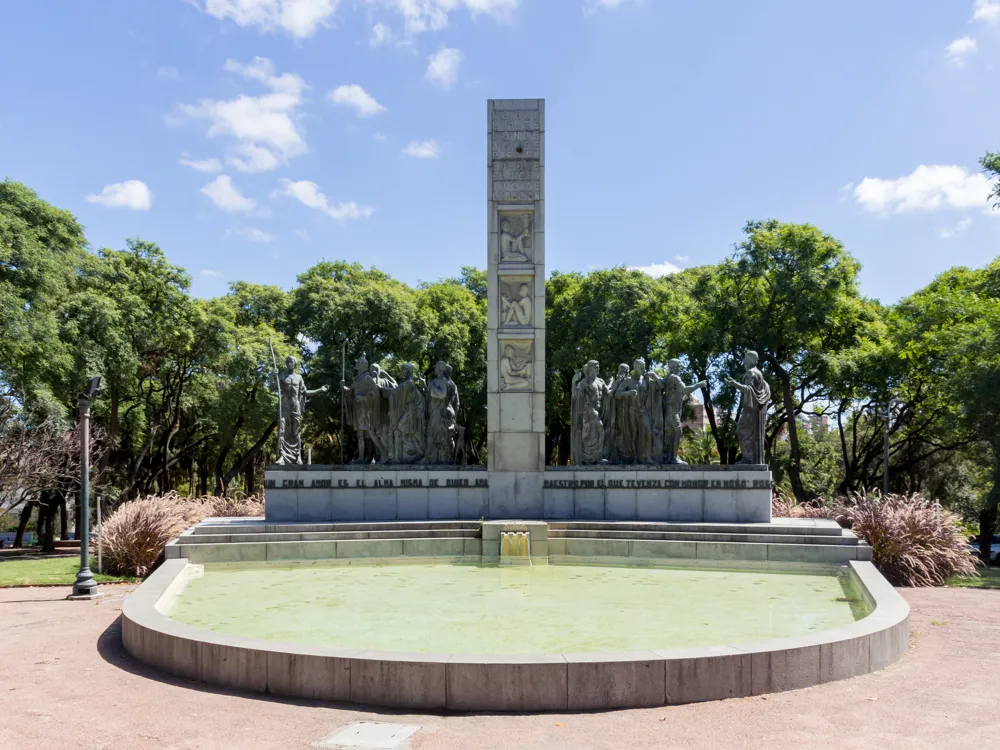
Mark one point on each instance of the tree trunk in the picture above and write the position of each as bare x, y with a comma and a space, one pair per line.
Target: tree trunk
23, 522
248, 456
47, 517
988, 516
794, 449
250, 477
63, 521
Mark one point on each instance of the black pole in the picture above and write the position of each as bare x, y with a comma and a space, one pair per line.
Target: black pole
85, 586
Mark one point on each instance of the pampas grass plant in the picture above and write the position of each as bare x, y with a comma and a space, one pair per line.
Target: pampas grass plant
135, 534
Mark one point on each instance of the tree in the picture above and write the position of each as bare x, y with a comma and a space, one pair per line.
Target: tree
991, 164
41, 248
613, 316
790, 292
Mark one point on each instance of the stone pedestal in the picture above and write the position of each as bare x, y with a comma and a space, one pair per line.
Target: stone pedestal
515, 206
687, 494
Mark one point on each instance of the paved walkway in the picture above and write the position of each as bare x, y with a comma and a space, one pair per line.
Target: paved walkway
65, 682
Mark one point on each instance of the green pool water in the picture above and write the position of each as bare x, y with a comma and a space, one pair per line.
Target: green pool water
503, 610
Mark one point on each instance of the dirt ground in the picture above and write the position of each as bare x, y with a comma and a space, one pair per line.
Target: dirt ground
66, 682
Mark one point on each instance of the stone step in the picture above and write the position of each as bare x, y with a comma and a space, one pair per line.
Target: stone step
823, 527
847, 538
319, 536
658, 549
320, 550
212, 526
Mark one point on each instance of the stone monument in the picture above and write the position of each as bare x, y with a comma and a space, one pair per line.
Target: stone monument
515, 208
625, 431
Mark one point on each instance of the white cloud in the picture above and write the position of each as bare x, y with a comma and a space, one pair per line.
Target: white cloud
592, 6
303, 235
381, 34
134, 194
986, 11
422, 150
299, 18
959, 51
205, 165
682, 258
355, 97
927, 188
249, 157
443, 65
964, 223
432, 15
308, 194
210, 273
266, 128
657, 269
250, 233
227, 197
168, 73
380, 137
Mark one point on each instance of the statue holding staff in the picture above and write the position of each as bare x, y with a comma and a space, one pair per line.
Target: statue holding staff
755, 394
292, 398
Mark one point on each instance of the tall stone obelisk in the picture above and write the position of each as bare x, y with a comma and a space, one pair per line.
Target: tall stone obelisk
516, 319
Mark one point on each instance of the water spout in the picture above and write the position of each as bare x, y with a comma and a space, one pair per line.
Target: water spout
515, 546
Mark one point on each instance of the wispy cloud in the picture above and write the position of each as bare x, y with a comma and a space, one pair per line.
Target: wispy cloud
250, 233
422, 150
204, 165
355, 97
308, 194
986, 11
133, 194
266, 128
959, 51
927, 188
297, 18
442, 67
210, 273
657, 269
227, 196
964, 223
168, 73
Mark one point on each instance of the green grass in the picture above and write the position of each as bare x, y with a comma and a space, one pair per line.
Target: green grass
988, 578
53, 570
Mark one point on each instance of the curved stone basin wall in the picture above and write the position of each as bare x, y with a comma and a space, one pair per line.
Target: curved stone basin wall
547, 682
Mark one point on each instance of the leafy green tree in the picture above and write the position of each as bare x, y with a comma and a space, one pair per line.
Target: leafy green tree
41, 248
790, 292
991, 164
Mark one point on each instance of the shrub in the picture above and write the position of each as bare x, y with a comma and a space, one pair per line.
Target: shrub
914, 541
135, 534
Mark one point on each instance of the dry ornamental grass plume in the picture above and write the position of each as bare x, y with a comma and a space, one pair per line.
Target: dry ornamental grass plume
914, 541
137, 531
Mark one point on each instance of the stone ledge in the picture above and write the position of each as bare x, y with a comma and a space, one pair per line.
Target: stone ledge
493, 682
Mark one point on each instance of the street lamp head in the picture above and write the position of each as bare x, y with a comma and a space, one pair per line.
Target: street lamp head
91, 390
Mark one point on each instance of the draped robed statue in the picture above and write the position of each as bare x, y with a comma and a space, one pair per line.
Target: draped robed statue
755, 394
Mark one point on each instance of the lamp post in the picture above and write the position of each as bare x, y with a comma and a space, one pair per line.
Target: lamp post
85, 586
885, 444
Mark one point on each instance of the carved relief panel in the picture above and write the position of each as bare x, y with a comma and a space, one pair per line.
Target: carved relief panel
516, 364
516, 236
516, 301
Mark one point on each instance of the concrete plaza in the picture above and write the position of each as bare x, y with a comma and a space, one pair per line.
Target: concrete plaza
65, 681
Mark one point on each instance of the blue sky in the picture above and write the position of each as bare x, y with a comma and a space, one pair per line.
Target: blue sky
253, 138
